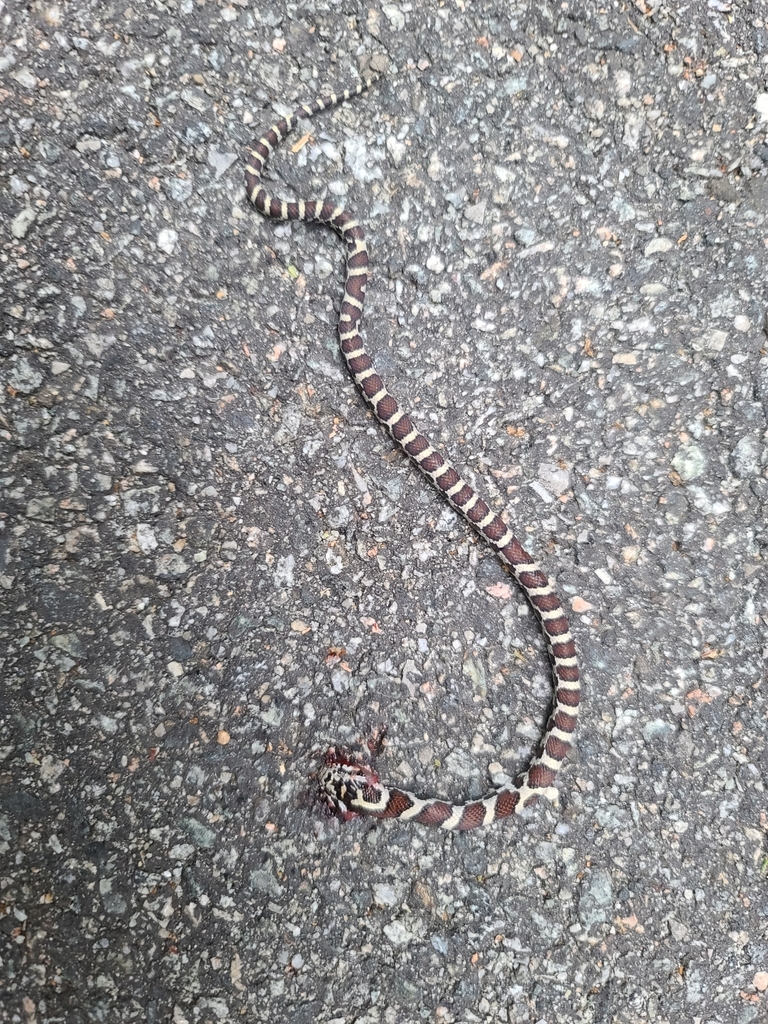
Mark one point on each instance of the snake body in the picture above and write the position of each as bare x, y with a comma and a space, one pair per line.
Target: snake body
348, 786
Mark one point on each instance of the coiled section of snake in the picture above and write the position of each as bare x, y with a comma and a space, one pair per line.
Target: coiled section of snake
348, 786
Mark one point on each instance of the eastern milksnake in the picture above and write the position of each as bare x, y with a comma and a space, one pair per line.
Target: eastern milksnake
350, 787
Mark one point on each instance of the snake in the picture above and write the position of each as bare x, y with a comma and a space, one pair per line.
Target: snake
347, 785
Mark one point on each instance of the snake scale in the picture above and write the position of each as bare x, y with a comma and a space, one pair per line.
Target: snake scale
349, 787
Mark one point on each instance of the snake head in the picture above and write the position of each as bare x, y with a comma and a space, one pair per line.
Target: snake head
344, 782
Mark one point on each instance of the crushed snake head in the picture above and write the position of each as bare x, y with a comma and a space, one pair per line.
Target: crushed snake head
348, 787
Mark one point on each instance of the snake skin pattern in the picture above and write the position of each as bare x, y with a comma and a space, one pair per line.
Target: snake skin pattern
350, 787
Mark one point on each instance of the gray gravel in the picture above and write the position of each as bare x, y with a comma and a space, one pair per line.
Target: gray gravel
214, 565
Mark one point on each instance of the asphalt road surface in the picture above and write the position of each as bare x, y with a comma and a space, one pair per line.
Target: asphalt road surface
215, 565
